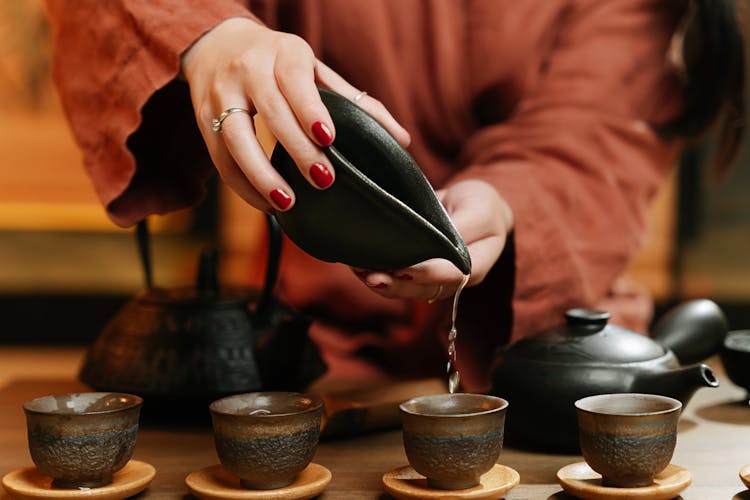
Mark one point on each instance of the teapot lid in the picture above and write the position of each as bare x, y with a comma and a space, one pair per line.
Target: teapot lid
587, 337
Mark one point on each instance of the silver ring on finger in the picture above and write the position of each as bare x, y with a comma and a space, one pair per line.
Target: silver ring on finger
216, 122
359, 96
437, 294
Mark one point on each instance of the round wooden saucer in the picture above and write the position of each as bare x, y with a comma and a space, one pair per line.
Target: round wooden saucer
216, 483
407, 484
580, 480
30, 484
745, 475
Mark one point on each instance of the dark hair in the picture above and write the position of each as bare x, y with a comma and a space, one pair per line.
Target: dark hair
713, 52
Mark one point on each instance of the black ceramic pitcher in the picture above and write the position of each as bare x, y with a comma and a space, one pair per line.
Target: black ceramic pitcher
380, 213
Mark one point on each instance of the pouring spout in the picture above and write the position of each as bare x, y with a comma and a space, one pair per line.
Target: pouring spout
679, 383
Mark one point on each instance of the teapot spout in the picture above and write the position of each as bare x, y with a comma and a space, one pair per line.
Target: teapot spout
679, 383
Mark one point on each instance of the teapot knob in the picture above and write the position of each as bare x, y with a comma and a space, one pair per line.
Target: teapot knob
586, 321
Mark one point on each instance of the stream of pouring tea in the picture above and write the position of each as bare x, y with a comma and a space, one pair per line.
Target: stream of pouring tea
454, 378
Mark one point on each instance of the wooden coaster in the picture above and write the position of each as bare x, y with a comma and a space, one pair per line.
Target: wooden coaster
216, 483
745, 475
580, 480
407, 484
30, 484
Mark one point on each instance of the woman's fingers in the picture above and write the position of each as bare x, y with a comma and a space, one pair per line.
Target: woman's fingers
244, 65
244, 76
294, 71
293, 111
234, 178
223, 160
239, 137
429, 280
335, 82
482, 218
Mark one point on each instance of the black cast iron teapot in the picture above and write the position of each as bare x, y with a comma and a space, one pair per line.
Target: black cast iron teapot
183, 347
544, 375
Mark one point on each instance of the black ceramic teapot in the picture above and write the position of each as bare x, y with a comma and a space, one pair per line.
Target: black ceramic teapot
544, 375
185, 346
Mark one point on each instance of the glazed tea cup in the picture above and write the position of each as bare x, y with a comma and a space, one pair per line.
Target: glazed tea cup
628, 438
266, 438
453, 439
82, 439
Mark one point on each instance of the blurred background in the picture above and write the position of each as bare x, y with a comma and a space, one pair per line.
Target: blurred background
65, 269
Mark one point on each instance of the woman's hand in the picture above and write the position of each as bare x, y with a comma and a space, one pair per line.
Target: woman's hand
482, 218
242, 64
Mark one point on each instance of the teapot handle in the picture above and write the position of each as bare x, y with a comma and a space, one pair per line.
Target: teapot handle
693, 331
262, 310
272, 265
144, 251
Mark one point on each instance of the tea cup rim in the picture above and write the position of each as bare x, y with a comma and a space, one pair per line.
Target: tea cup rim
135, 401
502, 404
316, 404
732, 336
583, 404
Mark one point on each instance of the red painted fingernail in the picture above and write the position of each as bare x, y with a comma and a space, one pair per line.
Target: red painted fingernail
322, 134
321, 175
281, 198
405, 277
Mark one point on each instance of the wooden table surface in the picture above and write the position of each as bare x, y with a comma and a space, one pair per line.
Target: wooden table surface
713, 442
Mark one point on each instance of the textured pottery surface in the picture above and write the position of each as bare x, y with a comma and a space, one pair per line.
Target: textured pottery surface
82, 439
380, 213
266, 438
587, 355
628, 438
452, 439
169, 341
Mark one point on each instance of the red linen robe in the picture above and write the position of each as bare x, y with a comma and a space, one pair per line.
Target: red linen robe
550, 101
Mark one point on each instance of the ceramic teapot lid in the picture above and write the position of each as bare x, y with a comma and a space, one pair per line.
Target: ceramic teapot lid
587, 337
380, 213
